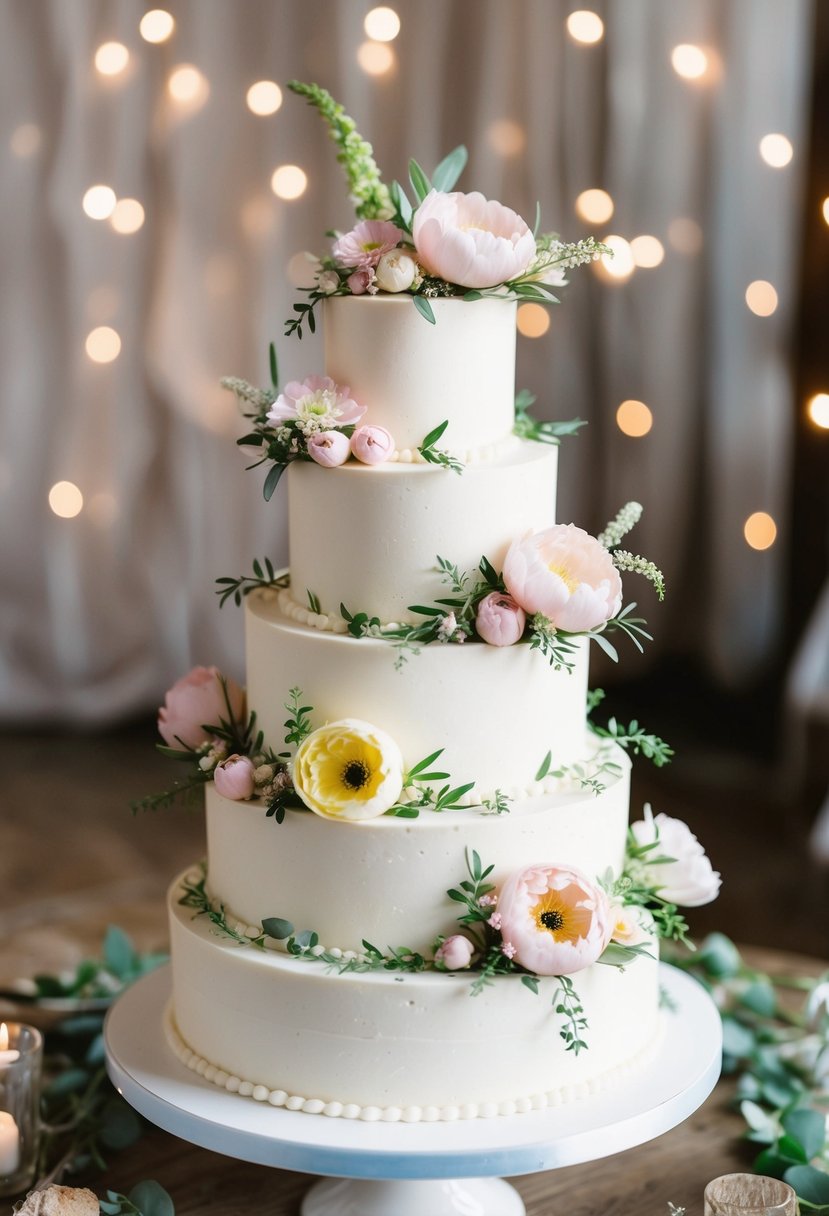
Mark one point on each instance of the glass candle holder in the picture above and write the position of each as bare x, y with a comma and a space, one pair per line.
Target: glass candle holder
749, 1195
21, 1061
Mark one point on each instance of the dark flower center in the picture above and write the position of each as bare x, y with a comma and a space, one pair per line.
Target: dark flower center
356, 774
551, 920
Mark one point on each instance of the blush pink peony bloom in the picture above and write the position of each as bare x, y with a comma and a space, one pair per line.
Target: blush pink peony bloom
234, 778
372, 444
469, 240
317, 403
455, 954
366, 243
329, 448
499, 620
565, 574
688, 879
195, 701
556, 920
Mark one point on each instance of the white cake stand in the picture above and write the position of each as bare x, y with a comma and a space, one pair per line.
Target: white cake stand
424, 1169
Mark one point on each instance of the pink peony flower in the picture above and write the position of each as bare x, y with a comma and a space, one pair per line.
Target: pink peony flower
372, 444
565, 574
317, 403
688, 879
499, 619
455, 954
234, 778
557, 921
366, 243
195, 701
329, 448
468, 240
360, 282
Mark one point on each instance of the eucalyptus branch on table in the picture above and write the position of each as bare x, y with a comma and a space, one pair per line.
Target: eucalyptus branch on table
778, 1048
83, 1116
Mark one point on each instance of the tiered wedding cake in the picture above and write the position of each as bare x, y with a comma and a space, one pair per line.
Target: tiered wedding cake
425, 903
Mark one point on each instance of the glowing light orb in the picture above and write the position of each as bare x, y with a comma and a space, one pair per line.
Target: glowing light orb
621, 265
761, 298
532, 320
289, 181
188, 86
111, 58
776, 150
506, 137
128, 216
65, 499
382, 24
817, 408
585, 26
594, 206
648, 251
99, 202
157, 25
760, 530
103, 344
264, 97
634, 419
375, 58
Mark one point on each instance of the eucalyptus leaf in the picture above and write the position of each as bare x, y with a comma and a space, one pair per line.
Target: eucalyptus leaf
151, 1199
808, 1127
811, 1185
274, 365
424, 308
277, 928
272, 481
450, 168
759, 998
120, 955
420, 182
719, 956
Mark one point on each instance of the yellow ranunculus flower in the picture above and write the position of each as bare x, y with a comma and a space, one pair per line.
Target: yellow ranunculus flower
348, 770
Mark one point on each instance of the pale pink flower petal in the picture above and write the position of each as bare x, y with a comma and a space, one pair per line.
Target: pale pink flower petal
318, 401
372, 444
195, 701
689, 879
471, 241
329, 448
234, 778
455, 954
499, 619
566, 575
557, 920
366, 243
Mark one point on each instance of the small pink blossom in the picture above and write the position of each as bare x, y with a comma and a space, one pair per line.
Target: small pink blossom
499, 620
317, 404
329, 448
372, 444
626, 929
509, 950
234, 778
360, 282
495, 920
566, 575
468, 240
487, 901
195, 701
455, 954
557, 920
366, 243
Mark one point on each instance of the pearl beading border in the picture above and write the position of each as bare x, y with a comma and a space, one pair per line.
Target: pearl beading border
564, 1095
482, 454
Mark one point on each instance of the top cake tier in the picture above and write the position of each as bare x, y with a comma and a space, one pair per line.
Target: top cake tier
412, 375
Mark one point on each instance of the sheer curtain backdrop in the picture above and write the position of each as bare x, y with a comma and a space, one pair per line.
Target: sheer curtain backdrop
100, 612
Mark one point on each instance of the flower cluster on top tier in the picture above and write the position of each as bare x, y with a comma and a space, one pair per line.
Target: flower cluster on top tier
445, 243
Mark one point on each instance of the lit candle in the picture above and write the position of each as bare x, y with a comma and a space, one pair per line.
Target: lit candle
6, 1056
9, 1144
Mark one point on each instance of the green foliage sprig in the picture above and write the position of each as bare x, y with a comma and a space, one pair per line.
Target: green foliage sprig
146, 1199
623, 560
635, 739
263, 575
778, 1050
435, 455
194, 895
587, 774
637, 887
366, 188
541, 430
425, 797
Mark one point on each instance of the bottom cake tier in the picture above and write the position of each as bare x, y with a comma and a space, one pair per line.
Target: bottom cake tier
381, 1045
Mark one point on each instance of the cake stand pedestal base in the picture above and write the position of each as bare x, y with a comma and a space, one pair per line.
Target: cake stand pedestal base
452, 1197
417, 1169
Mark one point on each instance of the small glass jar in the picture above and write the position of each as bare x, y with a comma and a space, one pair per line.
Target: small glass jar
749, 1195
21, 1062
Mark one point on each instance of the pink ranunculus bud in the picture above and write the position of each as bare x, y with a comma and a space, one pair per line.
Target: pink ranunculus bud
499, 620
360, 281
469, 240
455, 954
329, 448
195, 701
566, 575
234, 778
372, 444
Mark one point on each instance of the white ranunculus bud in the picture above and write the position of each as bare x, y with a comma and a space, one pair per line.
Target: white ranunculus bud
395, 271
328, 281
688, 879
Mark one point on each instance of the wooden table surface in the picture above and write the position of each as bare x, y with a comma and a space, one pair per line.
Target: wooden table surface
639, 1182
